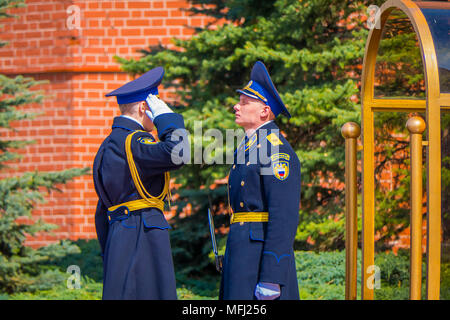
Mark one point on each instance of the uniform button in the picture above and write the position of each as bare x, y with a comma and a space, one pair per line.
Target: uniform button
248, 163
242, 183
126, 211
234, 166
241, 204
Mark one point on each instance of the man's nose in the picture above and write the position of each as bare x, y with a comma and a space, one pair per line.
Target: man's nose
236, 107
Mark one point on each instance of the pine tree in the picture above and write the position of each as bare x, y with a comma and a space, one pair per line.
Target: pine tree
19, 264
313, 50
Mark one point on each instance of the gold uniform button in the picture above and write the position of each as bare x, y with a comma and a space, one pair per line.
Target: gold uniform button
248, 163
241, 204
242, 183
126, 211
234, 166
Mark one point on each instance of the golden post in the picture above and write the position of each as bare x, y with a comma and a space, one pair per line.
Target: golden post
351, 131
416, 126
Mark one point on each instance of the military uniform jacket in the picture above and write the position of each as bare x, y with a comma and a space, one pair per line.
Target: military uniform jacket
137, 259
265, 177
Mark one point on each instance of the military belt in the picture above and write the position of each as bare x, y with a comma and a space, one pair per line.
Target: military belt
130, 206
249, 217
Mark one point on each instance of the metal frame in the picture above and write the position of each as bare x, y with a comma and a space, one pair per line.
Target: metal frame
434, 103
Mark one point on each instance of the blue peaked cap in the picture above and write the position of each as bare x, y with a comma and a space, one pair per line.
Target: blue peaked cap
262, 88
138, 89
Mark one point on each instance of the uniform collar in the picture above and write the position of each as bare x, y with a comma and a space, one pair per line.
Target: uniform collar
264, 124
269, 125
252, 140
126, 123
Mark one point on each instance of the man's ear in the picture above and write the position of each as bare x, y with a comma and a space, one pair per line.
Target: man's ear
142, 107
265, 112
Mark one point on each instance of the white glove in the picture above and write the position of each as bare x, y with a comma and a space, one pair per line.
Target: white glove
157, 107
267, 291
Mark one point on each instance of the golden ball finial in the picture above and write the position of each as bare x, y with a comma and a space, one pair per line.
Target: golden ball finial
350, 130
416, 125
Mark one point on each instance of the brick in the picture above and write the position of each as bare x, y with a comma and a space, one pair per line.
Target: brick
137, 22
156, 13
158, 4
118, 14
139, 4
131, 32
176, 4
136, 14
176, 22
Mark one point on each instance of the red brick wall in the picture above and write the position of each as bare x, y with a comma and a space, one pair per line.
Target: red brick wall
80, 69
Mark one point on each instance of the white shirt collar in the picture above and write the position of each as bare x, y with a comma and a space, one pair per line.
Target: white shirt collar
131, 118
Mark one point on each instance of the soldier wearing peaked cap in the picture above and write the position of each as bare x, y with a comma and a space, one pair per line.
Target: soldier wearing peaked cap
264, 196
131, 178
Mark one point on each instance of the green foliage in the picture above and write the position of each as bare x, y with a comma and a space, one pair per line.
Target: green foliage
19, 269
15, 92
445, 280
328, 233
324, 267
321, 276
88, 258
398, 74
4, 6
399, 71
394, 268
90, 290
190, 238
198, 288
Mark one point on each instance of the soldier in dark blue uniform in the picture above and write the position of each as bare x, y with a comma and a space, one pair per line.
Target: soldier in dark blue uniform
131, 178
264, 196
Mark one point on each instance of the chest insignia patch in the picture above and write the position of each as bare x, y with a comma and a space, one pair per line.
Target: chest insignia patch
146, 140
280, 165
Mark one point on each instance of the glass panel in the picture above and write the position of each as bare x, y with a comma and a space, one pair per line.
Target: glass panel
445, 249
437, 14
399, 68
392, 205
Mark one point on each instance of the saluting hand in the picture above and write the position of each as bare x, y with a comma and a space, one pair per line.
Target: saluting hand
157, 107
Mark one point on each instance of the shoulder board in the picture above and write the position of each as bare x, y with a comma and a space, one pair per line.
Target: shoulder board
274, 140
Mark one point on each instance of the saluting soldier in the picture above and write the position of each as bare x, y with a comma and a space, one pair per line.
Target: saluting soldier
131, 178
264, 196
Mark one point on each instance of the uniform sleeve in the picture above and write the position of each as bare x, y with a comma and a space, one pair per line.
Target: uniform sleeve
101, 225
281, 184
167, 154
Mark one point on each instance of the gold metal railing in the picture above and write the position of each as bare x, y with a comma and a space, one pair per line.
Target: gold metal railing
351, 132
416, 126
